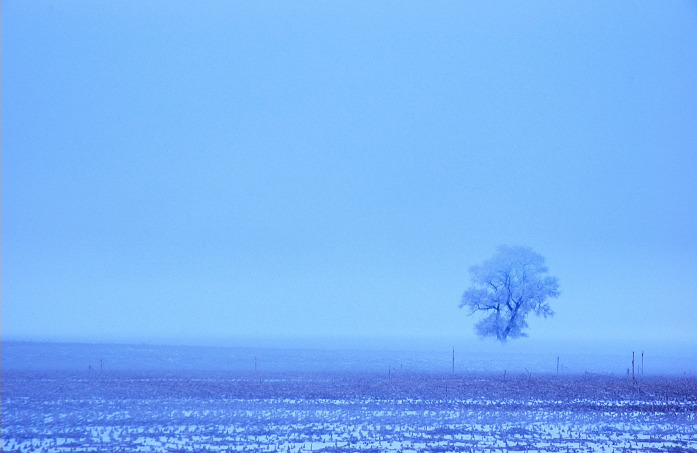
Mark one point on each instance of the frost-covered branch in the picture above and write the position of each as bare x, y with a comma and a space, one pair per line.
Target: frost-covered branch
508, 287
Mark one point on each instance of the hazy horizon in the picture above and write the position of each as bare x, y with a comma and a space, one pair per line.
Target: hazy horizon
685, 348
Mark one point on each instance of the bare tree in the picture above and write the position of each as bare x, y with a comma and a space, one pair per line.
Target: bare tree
507, 288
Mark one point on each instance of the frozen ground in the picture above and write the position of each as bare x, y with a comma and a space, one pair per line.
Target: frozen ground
69, 411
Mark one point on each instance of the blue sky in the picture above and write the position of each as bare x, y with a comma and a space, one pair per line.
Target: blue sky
179, 171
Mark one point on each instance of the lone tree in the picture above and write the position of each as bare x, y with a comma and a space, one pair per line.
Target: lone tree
507, 287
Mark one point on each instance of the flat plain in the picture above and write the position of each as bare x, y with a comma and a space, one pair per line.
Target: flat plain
183, 410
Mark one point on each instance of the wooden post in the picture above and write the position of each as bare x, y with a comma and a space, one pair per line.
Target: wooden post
642, 363
453, 359
633, 375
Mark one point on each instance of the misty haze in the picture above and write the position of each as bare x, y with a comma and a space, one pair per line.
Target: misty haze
348, 226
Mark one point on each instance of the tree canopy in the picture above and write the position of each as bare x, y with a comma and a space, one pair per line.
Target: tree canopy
509, 286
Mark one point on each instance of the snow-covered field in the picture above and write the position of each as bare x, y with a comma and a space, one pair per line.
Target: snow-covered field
67, 411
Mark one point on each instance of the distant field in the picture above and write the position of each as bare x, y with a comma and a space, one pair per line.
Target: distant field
69, 411
571, 359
